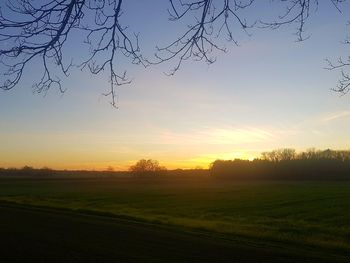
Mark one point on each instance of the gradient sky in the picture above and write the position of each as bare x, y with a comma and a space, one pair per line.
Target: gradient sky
270, 92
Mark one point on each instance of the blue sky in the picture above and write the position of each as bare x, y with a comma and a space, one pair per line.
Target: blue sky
269, 92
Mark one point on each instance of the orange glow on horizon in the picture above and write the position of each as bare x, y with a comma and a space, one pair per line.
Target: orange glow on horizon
201, 161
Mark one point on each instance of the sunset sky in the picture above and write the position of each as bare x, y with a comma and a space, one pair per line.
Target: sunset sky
269, 92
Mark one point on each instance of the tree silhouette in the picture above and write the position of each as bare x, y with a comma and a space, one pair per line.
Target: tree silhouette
147, 167
32, 31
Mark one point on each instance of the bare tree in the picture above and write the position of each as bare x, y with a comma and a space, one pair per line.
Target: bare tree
32, 31
285, 154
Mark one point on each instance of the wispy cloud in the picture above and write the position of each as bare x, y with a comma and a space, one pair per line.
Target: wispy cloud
336, 115
218, 136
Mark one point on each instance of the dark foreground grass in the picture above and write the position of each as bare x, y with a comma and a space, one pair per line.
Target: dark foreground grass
312, 217
46, 235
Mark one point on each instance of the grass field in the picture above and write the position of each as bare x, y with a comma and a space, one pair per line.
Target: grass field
308, 216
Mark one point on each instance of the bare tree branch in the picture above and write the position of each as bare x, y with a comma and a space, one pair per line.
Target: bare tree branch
298, 12
41, 32
344, 82
210, 22
341, 64
34, 31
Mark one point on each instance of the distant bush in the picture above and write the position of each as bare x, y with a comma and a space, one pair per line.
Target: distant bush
147, 167
110, 169
27, 168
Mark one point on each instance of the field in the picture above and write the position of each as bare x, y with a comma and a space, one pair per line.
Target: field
310, 220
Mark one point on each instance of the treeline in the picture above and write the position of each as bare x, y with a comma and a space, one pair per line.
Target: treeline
28, 171
288, 154
287, 164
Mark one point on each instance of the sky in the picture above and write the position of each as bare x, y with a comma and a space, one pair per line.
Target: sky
269, 92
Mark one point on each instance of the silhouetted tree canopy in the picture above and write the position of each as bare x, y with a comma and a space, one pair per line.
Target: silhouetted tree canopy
288, 164
279, 155
147, 167
32, 30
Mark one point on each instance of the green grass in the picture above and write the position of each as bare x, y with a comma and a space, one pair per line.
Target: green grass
313, 215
